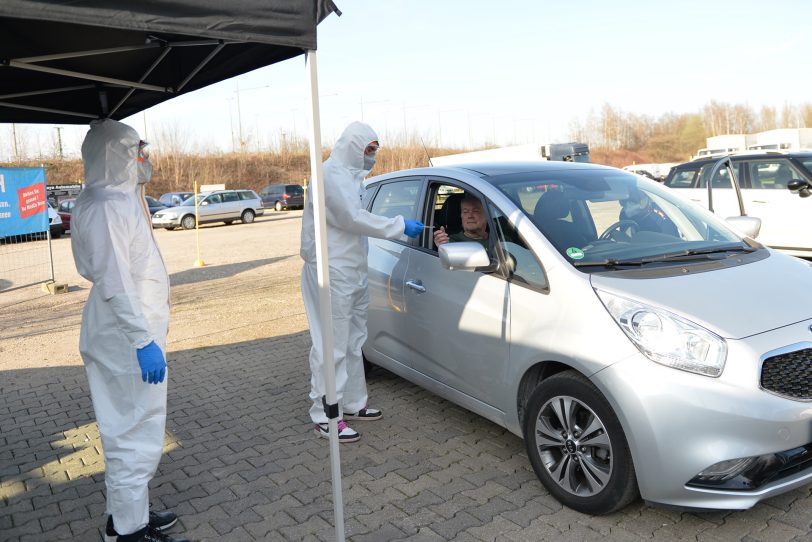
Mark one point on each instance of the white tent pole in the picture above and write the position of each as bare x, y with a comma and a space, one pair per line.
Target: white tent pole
323, 274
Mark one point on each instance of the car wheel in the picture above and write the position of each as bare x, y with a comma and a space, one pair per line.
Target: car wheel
278, 206
188, 222
56, 234
577, 447
247, 216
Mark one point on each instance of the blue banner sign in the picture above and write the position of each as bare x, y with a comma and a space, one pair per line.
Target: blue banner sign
23, 208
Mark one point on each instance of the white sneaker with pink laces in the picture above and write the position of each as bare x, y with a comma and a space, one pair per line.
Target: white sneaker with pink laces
345, 432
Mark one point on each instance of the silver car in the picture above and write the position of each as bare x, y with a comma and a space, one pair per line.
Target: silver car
637, 342
218, 206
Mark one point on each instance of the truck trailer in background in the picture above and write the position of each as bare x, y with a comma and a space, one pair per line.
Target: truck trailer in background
566, 152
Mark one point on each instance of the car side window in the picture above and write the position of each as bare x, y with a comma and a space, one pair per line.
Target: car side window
397, 198
230, 196
247, 194
522, 264
772, 174
214, 198
686, 178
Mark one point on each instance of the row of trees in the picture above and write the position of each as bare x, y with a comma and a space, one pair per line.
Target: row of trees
676, 136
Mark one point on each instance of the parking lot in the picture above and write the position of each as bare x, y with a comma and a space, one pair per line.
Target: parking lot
242, 462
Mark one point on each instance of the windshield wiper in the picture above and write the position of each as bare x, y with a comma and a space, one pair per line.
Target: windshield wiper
688, 254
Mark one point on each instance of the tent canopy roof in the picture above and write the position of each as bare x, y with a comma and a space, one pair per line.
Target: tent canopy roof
68, 62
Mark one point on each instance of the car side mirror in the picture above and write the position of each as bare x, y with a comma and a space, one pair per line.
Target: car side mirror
465, 257
747, 225
800, 186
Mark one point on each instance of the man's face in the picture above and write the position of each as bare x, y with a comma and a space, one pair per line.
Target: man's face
473, 216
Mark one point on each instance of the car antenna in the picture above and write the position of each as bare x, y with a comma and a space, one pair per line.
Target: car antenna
427, 152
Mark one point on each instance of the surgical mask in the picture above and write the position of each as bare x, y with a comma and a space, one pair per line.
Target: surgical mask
369, 162
144, 171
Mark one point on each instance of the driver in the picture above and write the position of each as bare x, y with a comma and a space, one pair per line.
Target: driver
639, 208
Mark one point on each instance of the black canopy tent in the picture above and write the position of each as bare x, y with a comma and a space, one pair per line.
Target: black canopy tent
72, 61
68, 62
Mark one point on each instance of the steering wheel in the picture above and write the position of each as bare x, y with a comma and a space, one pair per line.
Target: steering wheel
619, 226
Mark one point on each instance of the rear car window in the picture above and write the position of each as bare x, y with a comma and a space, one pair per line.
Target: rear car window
247, 194
295, 190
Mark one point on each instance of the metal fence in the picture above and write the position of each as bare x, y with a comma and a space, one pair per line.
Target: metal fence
25, 260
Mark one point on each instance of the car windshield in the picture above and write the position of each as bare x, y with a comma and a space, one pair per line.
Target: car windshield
191, 199
610, 218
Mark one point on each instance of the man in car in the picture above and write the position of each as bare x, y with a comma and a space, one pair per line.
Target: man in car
648, 216
348, 227
474, 224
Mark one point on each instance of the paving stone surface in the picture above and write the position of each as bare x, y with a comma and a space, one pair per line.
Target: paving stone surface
242, 463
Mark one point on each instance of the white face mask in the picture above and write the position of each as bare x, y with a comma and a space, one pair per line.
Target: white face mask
369, 162
144, 171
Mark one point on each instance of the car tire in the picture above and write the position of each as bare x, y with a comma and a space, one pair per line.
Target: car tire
278, 206
56, 234
247, 216
188, 222
608, 481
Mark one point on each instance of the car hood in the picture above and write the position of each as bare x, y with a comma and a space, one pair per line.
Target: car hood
735, 302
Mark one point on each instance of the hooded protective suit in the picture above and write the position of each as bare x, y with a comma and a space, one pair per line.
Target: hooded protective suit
127, 309
348, 226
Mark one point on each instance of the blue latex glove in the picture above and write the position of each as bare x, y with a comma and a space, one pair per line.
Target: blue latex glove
153, 365
413, 228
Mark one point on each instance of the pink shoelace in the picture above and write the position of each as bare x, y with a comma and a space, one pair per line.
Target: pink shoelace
342, 425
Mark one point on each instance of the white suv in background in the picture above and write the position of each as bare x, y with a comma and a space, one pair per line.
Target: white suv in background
218, 206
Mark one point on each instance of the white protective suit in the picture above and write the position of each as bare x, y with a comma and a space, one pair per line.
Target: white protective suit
348, 226
128, 307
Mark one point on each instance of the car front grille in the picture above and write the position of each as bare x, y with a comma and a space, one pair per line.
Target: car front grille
789, 374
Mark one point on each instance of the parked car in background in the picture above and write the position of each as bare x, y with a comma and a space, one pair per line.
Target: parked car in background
173, 199
218, 206
282, 196
767, 192
154, 205
64, 209
660, 353
55, 222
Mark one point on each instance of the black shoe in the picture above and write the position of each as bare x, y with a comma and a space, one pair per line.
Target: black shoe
160, 521
149, 534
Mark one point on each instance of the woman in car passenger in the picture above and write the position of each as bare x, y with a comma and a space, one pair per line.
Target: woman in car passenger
474, 224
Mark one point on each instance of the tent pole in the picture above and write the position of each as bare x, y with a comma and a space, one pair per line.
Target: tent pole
323, 275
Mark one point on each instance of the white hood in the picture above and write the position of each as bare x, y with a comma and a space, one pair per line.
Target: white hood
736, 302
110, 152
349, 149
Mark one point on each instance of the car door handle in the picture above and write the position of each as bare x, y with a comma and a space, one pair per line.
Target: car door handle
416, 285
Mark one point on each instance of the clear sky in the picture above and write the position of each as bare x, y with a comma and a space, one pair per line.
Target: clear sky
469, 73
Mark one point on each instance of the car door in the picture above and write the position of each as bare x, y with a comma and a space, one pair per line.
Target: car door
387, 264
691, 181
457, 323
211, 208
786, 218
231, 206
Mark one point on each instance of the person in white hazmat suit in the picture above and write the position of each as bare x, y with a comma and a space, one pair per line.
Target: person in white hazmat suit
348, 226
124, 324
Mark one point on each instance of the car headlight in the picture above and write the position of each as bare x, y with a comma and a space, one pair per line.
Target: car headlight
666, 338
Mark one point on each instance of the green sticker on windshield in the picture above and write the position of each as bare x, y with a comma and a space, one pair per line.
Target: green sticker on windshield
575, 253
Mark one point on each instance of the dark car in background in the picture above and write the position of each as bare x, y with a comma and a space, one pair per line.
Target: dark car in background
154, 205
282, 196
173, 199
64, 209
768, 183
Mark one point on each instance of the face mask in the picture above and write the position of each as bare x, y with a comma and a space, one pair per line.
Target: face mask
144, 171
369, 162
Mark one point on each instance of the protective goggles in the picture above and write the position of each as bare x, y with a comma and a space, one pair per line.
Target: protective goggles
143, 150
